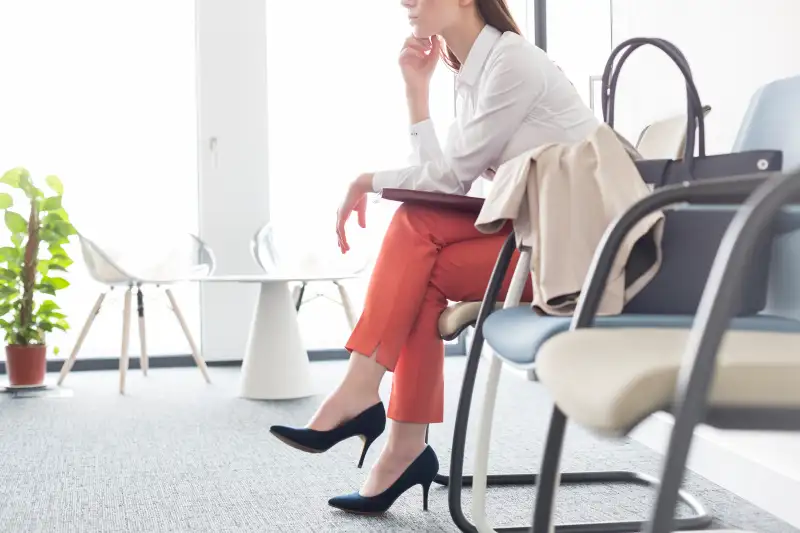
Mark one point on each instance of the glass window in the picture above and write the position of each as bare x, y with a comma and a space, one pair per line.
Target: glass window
336, 108
102, 94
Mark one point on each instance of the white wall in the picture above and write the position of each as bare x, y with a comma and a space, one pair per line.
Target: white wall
733, 47
579, 39
234, 192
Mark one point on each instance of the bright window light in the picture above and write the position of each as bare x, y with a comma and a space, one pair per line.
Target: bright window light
102, 94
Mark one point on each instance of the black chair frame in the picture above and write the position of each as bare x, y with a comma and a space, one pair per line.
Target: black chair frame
719, 190
731, 190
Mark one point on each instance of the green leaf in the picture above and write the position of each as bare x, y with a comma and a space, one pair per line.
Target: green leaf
64, 229
56, 350
60, 262
61, 213
9, 253
48, 305
26, 185
6, 291
51, 204
16, 222
5, 200
54, 183
12, 177
51, 237
46, 288
16, 238
52, 217
8, 274
56, 283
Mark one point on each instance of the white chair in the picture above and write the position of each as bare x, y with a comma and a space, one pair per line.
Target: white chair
176, 260
665, 138
304, 255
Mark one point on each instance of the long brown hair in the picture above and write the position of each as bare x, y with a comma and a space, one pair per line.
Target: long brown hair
494, 13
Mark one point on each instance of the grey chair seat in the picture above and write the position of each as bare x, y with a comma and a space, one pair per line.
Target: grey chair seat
517, 334
458, 317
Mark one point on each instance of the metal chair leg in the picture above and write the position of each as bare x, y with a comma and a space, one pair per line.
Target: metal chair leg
456, 480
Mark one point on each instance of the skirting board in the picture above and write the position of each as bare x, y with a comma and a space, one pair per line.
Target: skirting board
765, 487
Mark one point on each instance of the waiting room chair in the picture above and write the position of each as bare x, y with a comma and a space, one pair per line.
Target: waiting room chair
773, 120
537, 331
516, 335
185, 258
276, 251
665, 138
610, 379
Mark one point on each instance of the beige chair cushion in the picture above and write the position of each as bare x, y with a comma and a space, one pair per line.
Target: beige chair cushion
666, 138
611, 379
459, 316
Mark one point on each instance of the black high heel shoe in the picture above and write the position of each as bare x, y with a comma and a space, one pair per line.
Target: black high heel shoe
420, 472
368, 425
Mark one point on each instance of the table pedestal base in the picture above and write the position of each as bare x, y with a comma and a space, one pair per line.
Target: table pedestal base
276, 365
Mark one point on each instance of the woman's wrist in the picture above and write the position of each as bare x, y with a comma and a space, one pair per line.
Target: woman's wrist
418, 108
363, 184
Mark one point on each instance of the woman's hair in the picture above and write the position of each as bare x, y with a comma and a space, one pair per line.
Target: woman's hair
494, 13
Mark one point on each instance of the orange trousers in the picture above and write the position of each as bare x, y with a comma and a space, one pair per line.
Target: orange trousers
428, 256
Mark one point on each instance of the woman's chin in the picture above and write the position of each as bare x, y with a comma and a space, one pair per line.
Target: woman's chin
421, 32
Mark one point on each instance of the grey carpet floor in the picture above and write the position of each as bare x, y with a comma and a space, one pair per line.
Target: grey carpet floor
177, 455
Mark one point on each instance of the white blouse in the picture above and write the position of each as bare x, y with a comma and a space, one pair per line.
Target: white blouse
511, 98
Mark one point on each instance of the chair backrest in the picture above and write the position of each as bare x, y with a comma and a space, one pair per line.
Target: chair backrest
689, 246
772, 121
299, 251
101, 265
666, 138
180, 257
264, 250
169, 259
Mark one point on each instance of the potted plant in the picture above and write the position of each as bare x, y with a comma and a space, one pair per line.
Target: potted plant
30, 267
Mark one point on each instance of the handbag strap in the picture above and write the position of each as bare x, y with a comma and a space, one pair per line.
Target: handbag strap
695, 116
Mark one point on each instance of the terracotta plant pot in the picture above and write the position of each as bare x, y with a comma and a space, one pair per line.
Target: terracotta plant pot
26, 365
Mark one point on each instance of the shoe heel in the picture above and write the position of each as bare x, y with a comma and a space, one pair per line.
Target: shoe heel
425, 489
367, 443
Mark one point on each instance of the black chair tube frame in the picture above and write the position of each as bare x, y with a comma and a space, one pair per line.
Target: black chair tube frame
456, 481
729, 190
716, 309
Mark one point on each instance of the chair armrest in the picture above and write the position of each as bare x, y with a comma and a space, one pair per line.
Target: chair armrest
729, 190
713, 318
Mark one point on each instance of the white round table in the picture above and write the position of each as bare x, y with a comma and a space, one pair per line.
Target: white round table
275, 364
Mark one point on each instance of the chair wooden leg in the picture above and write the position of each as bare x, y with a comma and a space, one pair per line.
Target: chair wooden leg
198, 359
126, 335
347, 304
142, 337
67, 366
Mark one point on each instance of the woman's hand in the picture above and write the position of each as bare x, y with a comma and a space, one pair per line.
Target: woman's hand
418, 59
354, 200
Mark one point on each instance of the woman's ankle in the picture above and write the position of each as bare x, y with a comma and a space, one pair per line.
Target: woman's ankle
406, 439
342, 405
